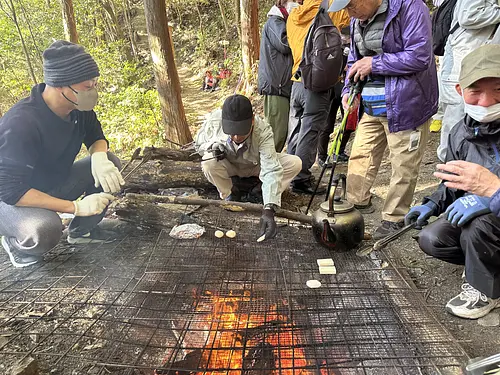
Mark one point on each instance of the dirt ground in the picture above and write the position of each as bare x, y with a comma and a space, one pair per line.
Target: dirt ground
438, 281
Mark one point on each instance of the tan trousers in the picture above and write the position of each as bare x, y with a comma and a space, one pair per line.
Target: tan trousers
219, 172
370, 142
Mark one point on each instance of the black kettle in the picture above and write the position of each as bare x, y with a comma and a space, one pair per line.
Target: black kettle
337, 225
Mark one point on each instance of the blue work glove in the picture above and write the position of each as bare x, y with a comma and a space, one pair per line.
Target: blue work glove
467, 208
421, 214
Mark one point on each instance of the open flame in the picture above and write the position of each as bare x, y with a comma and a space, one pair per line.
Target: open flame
243, 342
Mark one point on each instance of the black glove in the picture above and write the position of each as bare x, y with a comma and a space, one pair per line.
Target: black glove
218, 149
267, 224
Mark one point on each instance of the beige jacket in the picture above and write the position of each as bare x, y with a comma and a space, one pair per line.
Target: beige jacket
258, 149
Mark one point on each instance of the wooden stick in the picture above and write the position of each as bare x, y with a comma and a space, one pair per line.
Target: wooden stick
252, 207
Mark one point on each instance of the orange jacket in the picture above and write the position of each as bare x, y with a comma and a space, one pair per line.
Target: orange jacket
298, 24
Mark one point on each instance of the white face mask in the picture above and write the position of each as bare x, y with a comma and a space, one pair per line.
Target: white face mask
291, 6
483, 114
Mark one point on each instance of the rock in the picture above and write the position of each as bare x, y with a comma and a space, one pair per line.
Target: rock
490, 320
29, 366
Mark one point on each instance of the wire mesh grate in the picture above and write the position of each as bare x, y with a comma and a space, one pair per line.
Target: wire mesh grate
151, 304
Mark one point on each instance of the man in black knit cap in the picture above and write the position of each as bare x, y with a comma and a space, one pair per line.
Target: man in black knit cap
40, 137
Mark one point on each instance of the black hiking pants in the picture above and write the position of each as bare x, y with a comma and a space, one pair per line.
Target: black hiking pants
477, 245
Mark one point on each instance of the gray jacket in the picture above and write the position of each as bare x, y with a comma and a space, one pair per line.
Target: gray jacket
474, 142
259, 150
276, 61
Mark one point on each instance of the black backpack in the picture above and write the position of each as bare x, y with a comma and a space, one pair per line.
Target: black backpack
441, 26
322, 58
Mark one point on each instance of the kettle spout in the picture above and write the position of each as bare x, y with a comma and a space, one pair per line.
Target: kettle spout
328, 236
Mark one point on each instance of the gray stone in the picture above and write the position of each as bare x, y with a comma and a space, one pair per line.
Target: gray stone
490, 320
29, 366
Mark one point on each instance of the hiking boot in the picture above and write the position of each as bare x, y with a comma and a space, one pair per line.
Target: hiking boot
342, 158
95, 236
435, 126
307, 187
18, 258
322, 162
387, 228
471, 303
365, 208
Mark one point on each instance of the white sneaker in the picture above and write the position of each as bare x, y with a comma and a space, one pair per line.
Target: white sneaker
471, 303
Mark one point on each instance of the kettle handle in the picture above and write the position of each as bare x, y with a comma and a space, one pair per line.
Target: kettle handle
342, 177
331, 194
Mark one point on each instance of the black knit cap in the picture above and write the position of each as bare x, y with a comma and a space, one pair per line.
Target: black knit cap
66, 63
237, 115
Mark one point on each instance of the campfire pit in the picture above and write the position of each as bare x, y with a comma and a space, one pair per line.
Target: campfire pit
152, 304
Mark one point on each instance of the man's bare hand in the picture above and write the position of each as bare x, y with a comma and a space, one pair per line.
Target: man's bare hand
354, 105
361, 69
469, 177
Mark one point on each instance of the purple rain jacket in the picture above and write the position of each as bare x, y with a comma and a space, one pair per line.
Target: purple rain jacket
411, 88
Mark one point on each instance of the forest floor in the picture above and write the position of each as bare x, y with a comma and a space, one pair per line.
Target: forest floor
438, 281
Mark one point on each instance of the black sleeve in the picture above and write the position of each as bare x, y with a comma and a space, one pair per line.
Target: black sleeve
444, 196
93, 129
19, 152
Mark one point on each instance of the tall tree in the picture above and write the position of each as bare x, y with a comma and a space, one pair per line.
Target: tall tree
68, 15
249, 36
167, 79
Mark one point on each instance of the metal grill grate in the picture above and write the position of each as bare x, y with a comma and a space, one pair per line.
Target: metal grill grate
152, 304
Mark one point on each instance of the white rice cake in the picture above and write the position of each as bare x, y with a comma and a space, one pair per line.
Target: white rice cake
325, 262
313, 284
327, 270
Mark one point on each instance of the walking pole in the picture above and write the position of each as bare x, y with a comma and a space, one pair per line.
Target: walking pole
334, 149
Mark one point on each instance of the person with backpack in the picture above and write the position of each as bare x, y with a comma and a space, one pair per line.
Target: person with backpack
472, 23
467, 231
275, 70
309, 107
391, 48
335, 105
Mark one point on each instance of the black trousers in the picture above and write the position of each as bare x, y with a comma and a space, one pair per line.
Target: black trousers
324, 134
476, 245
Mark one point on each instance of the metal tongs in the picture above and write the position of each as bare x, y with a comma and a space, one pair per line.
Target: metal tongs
380, 244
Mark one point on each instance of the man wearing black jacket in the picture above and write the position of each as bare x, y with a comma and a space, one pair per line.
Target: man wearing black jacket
40, 137
275, 71
469, 233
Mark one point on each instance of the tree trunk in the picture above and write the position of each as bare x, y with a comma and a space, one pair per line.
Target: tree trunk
130, 28
249, 37
13, 17
237, 21
167, 79
69, 22
222, 14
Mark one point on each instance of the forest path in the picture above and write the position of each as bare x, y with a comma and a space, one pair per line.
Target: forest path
197, 103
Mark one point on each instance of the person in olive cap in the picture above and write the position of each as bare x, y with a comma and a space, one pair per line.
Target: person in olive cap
40, 137
469, 231
234, 142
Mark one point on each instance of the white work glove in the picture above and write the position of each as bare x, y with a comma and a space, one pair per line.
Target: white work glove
92, 204
105, 173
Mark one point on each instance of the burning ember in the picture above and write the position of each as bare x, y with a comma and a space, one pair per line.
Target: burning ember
239, 341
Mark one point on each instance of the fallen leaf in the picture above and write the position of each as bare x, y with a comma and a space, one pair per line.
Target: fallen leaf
232, 207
